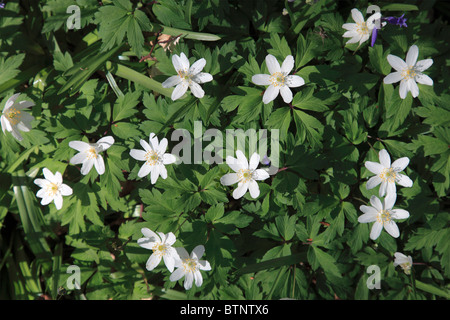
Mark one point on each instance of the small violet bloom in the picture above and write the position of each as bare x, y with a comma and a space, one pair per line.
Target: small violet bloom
400, 21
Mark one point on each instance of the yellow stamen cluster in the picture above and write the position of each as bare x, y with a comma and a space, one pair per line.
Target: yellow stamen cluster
91, 153
184, 75
277, 79
362, 29
159, 249
409, 73
388, 175
14, 116
151, 157
189, 265
384, 216
51, 189
406, 267
245, 175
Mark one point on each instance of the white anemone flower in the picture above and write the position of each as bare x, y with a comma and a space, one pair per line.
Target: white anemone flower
155, 157
387, 174
52, 188
188, 77
89, 154
13, 117
409, 72
382, 215
279, 80
245, 174
405, 262
161, 244
190, 266
361, 30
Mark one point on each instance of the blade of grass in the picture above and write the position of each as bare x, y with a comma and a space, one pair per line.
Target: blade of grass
57, 260
32, 284
129, 74
432, 289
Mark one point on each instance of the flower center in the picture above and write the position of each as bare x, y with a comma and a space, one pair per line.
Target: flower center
245, 175
160, 249
277, 79
409, 73
384, 216
13, 116
189, 265
51, 189
91, 153
362, 29
388, 175
184, 75
406, 267
152, 157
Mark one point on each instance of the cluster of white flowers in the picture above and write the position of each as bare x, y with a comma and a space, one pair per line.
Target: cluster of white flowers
187, 266
409, 72
387, 175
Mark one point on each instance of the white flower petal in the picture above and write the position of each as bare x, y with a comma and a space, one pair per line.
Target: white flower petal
144, 170
202, 77
179, 90
198, 278
260, 174
78, 158
153, 262
350, 34
412, 85
270, 94
229, 179
182, 253
240, 191
254, 189
58, 199
169, 261
254, 161
198, 251
272, 64
392, 228
46, 200
10, 101
373, 182
383, 188
357, 16
288, 65
397, 63
150, 235
138, 154
424, 79
146, 243
49, 175
144, 144
390, 188
99, 165
178, 63
374, 167
162, 146
79, 145
350, 26
168, 158
286, 94
233, 163
197, 66
242, 159
294, 81
171, 81
389, 201
184, 61
404, 180
393, 77
423, 65
261, 79
196, 90
105, 143
400, 164
403, 90
371, 211
162, 171
376, 203
177, 275
204, 265
154, 174
367, 217
188, 279
385, 159
65, 190
41, 182
87, 166
400, 214
376, 230
170, 239
153, 141
411, 56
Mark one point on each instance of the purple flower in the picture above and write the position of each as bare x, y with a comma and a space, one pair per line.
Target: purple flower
2, 5
399, 21
374, 36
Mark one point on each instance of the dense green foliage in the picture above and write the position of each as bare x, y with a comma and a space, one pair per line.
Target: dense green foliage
300, 238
